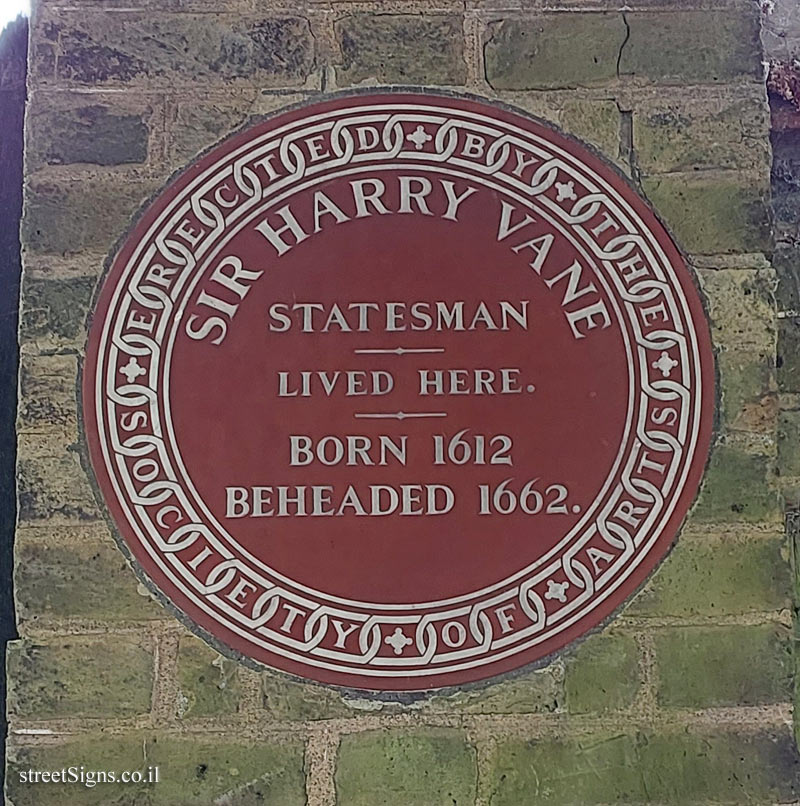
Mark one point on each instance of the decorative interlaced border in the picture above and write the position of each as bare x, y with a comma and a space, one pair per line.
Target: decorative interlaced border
174, 527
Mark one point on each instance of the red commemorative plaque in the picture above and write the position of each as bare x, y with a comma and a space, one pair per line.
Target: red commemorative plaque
398, 391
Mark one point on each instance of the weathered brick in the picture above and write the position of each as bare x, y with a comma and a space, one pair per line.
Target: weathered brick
752, 665
76, 676
192, 771
741, 307
536, 691
749, 391
528, 52
738, 486
47, 393
793, 540
687, 46
65, 132
53, 313
596, 122
722, 214
786, 183
89, 581
717, 577
698, 133
788, 360
544, 105
401, 48
284, 700
51, 484
95, 752
789, 443
208, 684
72, 216
602, 674
675, 768
166, 49
242, 773
781, 34
786, 262
790, 492
430, 768
197, 124
531, 692
43, 49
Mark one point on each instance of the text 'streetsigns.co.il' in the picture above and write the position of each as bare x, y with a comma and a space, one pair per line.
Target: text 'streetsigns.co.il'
398, 391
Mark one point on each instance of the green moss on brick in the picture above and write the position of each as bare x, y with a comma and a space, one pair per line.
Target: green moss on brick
796, 700
741, 307
788, 361
702, 133
529, 692
529, 52
786, 260
192, 771
749, 391
532, 692
207, 682
77, 676
598, 769
717, 577
713, 215
90, 581
198, 772
724, 666
676, 768
595, 122
430, 768
789, 443
602, 674
737, 487
94, 752
399, 48
686, 46
284, 700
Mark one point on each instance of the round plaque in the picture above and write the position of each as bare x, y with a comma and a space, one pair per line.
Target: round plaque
398, 391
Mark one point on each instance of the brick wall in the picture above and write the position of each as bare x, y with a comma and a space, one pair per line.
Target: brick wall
781, 37
686, 697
